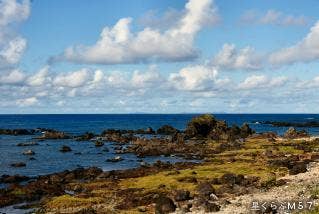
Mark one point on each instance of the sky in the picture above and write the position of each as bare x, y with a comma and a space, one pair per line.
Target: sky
150, 56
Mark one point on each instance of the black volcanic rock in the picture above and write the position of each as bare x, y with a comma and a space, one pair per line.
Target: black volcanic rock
167, 130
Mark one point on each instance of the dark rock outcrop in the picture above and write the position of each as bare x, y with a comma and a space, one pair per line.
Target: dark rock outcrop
13, 178
85, 137
164, 205
99, 144
205, 189
181, 195
293, 133
52, 134
17, 132
167, 130
206, 126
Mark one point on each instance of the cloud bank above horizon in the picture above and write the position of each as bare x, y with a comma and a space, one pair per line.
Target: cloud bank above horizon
181, 61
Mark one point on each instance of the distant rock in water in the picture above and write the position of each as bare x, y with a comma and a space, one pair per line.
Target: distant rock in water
99, 144
85, 137
292, 124
115, 159
167, 130
206, 126
16, 132
13, 179
29, 152
18, 164
52, 134
28, 144
293, 133
65, 149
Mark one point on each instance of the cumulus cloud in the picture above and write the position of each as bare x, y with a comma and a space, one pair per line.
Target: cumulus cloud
118, 45
12, 46
12, 52
304, 51
273, 17
12, 77
262, 81
39, 78
230, 57
196, 78
30, 101
72, 79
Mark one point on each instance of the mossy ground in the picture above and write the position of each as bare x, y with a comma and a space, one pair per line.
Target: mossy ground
249, 160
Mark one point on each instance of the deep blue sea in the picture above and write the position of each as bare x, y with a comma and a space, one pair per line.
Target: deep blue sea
48, 159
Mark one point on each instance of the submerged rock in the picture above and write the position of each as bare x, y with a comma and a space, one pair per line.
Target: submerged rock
28, 144
18, 164
29, 152
99, 144
115, 159
65, 149
16, 132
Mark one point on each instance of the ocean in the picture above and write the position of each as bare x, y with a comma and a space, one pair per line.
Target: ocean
48, 159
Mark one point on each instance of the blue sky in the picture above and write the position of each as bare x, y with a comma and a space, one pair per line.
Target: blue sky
159, 56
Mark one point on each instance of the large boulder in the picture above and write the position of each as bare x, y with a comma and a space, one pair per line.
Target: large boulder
200, 126
220, 131
181, 195
205, 189
206, 126
245, 131
164, 205
167, 130
293, 133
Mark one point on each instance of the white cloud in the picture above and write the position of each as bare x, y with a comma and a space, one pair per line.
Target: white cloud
262, 81
12, 52
27, 102
273, 17
304, 51
146, 79
13, 11
73, 79
13, 77
39, 78
11, 45
119, 45
231, 58
196, 78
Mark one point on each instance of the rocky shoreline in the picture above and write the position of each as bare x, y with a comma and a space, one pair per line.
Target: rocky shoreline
235, 161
